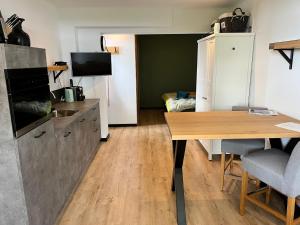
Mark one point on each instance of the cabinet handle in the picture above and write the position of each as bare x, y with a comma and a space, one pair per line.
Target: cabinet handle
94, 109
204, 98
40, 135
96, 130
82, 120
67, 134
95, 120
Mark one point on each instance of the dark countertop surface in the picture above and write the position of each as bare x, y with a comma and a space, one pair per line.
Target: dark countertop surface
82, 107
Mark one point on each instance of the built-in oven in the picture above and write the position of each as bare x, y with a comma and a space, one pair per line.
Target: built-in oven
29, 98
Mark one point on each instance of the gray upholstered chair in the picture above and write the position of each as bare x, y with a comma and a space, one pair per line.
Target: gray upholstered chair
280, 171
238, 147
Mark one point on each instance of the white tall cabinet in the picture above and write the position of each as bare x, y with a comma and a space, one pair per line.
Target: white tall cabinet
223, 75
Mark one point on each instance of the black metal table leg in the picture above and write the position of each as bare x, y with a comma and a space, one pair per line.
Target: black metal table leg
174, 152
276, 143
177, 182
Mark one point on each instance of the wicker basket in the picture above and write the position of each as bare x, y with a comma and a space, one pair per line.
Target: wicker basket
234, 22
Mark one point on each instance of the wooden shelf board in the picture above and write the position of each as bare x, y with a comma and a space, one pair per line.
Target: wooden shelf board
294, 44
57, 68
113, 50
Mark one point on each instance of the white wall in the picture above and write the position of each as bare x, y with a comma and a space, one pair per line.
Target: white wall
140, 20
117, 93
276, 86
40, 23
122, 102
119, 99
131, 21
126, 21
93, 87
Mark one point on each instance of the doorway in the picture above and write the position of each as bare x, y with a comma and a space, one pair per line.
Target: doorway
165, 63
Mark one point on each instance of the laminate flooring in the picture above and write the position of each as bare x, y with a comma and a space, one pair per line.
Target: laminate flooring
129, 183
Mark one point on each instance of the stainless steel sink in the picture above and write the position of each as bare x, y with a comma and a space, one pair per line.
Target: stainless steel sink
63, 113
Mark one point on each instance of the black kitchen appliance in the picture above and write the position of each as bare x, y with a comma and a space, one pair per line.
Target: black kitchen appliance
78, 93
29, 98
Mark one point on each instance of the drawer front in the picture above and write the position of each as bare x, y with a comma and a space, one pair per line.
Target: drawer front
94, 114
95, 125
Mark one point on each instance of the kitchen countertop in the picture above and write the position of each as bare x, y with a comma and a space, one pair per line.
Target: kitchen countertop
82, 107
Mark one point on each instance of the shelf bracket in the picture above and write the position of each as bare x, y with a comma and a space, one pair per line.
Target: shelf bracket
56, 75
290, 58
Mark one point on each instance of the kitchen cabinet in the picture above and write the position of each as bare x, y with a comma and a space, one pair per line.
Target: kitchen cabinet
77, 144
41, 169
95, 125
67, 151
14, 57
223, 75
84, 144
54, 157
39, 159
89, 127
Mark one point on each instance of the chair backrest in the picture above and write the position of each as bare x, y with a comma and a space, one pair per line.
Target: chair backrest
292, 173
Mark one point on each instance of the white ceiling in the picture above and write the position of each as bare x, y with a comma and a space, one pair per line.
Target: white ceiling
143, 3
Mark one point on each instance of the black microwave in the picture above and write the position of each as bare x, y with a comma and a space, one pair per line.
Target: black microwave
29, 98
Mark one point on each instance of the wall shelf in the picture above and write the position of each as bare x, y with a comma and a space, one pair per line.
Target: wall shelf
113, 50
57, 71
281, 47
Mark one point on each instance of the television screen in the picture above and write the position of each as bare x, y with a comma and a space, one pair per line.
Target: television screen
91, 63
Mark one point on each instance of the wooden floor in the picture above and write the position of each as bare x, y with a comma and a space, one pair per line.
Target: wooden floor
129, 181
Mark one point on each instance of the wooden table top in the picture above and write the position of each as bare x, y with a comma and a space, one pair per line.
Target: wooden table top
226, 125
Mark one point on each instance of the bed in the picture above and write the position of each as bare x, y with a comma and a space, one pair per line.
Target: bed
182, 104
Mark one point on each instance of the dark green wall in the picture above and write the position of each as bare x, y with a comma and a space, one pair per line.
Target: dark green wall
167, 63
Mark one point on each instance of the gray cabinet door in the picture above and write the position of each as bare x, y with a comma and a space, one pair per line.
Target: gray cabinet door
39, 166
89, 136
67, 155
95, 128
84, 141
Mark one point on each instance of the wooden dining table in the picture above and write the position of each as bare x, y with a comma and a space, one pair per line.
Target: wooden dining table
221, 125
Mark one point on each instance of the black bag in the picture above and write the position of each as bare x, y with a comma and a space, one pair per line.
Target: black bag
234, 22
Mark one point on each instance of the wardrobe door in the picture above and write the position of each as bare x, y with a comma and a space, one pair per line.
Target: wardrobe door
208, 93
234, 59
204, 74
201, 71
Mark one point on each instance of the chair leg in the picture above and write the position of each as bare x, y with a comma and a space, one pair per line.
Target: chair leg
268, 195
244, 191
257, 184
290, 211
222, 170
231, 162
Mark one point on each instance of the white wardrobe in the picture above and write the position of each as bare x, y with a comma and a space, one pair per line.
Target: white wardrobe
223, 76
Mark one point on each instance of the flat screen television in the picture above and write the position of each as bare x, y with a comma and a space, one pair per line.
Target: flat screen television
91, 64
